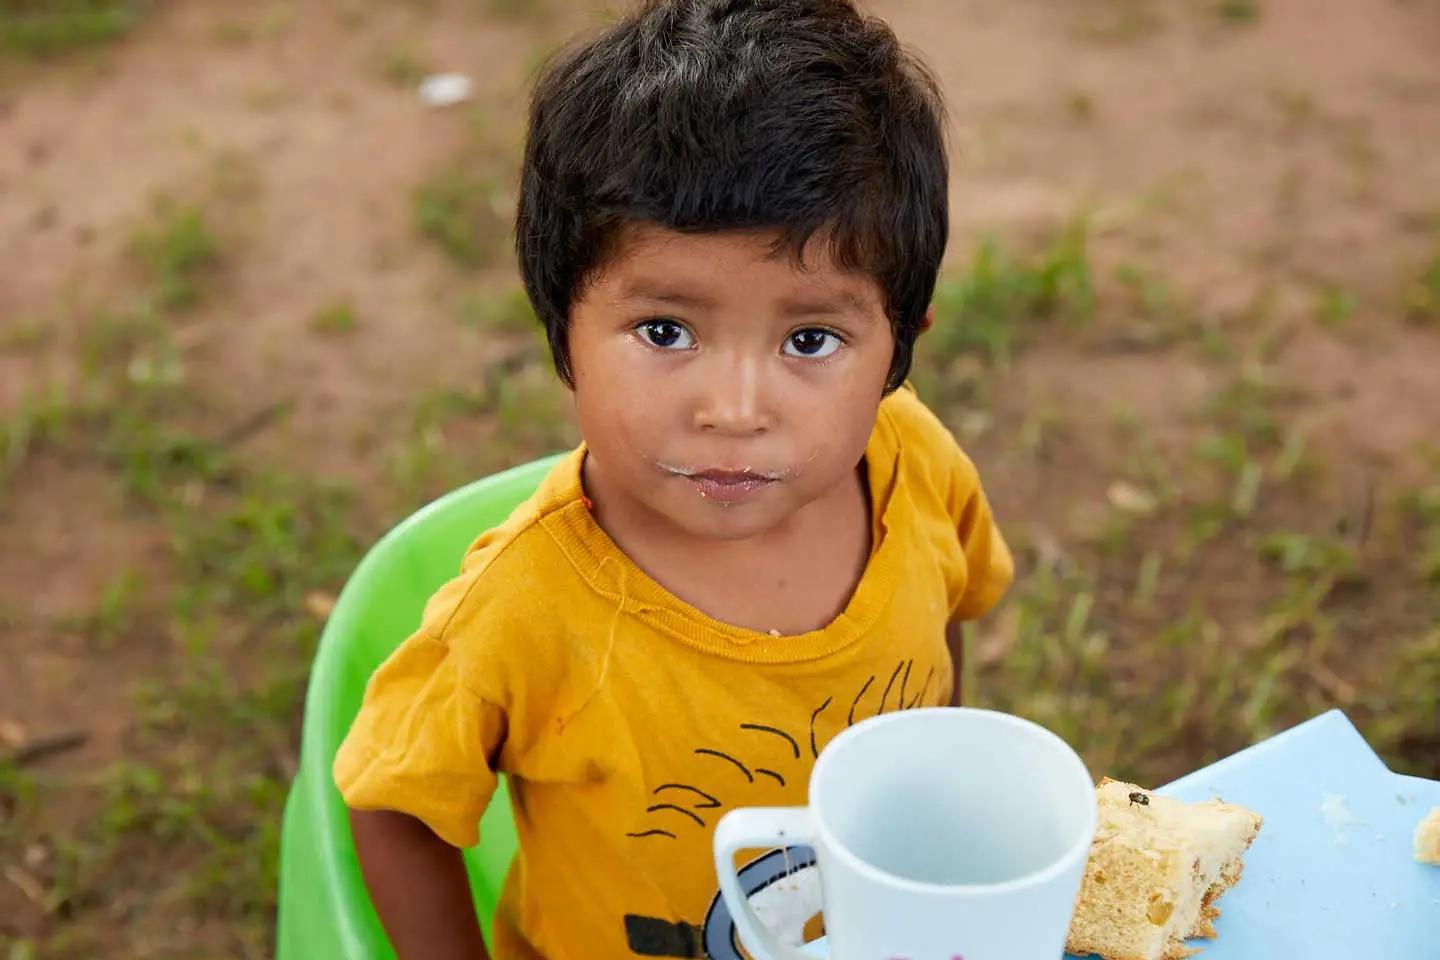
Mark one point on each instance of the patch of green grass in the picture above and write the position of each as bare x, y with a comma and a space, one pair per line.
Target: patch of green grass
1295, 462
39, 418
246, 554
509, 312
532, 409
1136, 682
1402, 727
1251, 404
1297, 108
1080, 105
180, 252
1119, 21
232, 33
1039, 432
1238, 12
1309, 554
18, 790
26, 336
1222, 575
424, 463
249, 547
116, 610
1158, 317
46, 28
403, 67
522, 411
156, 461
994, 307
265, 23
1421, 509
263, 547
1422, 295
457, 210
1334, 307
336, 318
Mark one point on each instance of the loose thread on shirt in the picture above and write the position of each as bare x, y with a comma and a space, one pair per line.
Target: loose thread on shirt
561, 722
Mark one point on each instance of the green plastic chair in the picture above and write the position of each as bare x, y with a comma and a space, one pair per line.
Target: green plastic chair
324, 909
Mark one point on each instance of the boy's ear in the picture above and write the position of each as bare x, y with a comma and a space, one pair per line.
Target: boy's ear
927, 321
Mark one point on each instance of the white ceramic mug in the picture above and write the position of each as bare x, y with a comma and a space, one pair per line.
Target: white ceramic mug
939, 834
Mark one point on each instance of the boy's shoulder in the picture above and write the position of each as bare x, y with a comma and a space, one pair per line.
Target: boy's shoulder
911, 433
516, 572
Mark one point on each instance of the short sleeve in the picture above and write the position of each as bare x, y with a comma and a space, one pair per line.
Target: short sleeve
424, 743
989, 567
952, 507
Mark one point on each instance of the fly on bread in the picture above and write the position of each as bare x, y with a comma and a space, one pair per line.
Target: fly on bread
1156, 868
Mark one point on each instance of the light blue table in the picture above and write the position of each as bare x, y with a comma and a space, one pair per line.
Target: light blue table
1315, 888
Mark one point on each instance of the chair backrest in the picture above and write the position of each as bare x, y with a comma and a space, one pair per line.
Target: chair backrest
323, 902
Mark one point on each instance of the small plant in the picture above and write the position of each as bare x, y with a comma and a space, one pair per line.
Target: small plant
403, 67
991, 308
1122, 21
1080, 105
37, 419
45, 28
457, 210
1238, 12
336, 318
508, 312
180, 251
1334, 308
1422, 296
26, 336
1306, 554
269, 23
1422, 508
116, 610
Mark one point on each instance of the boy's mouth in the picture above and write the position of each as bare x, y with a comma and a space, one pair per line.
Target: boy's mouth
729, 486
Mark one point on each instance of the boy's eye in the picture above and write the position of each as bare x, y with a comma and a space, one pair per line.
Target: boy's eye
666, 334
811, 343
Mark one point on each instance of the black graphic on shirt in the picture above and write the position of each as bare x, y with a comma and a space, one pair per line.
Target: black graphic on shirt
729, 773
717, 939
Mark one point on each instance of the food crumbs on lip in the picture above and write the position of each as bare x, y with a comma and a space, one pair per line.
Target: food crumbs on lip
774, 632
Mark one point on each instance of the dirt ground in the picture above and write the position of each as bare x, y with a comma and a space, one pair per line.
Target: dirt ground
241, 334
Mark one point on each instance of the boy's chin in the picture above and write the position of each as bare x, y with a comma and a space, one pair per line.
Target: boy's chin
724, 522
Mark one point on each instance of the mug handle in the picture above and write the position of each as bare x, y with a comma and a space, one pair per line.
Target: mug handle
751, 828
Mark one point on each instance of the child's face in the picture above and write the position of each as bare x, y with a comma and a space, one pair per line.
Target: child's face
720, 386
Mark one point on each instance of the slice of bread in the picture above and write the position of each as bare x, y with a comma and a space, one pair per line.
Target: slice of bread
1427, 838
1156, 868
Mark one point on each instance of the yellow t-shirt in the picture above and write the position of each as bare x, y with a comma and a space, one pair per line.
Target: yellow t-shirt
629, 722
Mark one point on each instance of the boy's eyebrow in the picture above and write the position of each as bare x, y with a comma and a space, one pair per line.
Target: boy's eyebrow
839, 301
646, 290
808, 304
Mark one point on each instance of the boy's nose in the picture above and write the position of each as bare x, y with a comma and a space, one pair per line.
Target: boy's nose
732, 400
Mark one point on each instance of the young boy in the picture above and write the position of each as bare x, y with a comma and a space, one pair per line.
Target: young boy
732, 214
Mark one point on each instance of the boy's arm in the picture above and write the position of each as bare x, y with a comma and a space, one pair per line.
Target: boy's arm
955, 640
418, 885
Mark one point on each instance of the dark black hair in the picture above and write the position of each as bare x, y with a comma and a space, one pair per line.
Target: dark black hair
802, 116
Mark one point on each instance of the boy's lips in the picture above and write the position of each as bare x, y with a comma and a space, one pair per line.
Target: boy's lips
729, 486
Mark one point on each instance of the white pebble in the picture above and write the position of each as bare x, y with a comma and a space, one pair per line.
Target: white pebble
446, 89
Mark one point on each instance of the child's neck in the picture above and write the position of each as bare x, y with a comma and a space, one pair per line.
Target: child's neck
791, 579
